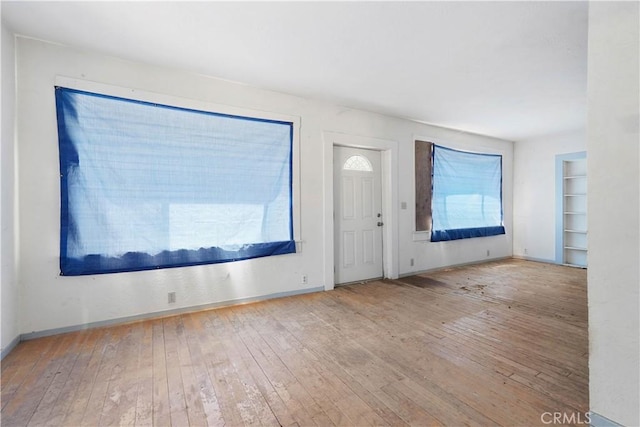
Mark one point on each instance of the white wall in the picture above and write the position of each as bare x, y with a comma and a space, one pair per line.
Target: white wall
50, 301
9, 295
534, 194
613, 211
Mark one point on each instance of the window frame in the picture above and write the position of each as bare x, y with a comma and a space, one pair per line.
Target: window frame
438, 235
426, 235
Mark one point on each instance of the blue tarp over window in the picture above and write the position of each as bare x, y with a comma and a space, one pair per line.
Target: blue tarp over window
147, 186
467, 195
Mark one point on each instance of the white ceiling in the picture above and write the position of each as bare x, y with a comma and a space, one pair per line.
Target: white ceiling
512, 70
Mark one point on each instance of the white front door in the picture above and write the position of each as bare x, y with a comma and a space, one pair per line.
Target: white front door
358, 214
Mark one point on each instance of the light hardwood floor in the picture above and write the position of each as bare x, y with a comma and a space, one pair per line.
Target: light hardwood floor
500, 343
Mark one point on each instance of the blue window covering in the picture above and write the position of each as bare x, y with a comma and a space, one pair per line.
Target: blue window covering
147, 186
467, 195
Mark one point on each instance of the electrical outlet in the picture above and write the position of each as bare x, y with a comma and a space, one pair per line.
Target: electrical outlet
488, 252
304, 279
411, 262
525, 251
171, 297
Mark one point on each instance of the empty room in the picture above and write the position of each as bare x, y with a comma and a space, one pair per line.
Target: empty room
320, 213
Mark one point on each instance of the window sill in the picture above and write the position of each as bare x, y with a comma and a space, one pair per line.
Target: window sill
422, 236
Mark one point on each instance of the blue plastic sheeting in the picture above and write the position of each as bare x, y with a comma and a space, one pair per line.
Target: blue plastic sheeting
146, 186
467, 195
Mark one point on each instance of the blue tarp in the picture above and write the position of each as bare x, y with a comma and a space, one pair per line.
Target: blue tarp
467, 194
147, 186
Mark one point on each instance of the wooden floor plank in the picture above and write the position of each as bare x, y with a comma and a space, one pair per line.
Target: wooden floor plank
289, 352
24, 359
232, 398
122, 393
94, 410
177, 402
250, 405
161, 409
195, 407
241, 357
305, 328
62, 373
196, 341
80, 399
71, 386
405, 407
498, 343
45, 390
282, 411
304, 410
144, 372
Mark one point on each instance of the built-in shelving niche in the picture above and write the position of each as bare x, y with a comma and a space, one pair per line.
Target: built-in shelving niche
572, 227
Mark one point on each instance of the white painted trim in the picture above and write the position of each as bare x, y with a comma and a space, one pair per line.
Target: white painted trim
389, 156
421, 236
160, 314
534, 259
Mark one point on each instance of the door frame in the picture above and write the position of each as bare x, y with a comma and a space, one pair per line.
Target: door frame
389, 164
360, 270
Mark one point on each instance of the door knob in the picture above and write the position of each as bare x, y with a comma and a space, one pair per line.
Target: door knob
380, 224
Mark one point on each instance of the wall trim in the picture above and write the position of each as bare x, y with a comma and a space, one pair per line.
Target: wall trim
14, 342
445, 267
597, 420
534, 259
160, 314
484, 261
548, 261
389, 151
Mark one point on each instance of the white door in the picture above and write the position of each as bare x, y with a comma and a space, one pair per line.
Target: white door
357, 214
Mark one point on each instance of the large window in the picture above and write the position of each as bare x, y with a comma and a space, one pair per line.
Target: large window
467, 195
458, 194
147, 186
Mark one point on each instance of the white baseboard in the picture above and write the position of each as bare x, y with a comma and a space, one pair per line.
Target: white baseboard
433, 270
159, 314
534, 259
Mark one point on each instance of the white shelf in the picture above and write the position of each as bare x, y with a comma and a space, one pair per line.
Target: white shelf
574, 265
574, 212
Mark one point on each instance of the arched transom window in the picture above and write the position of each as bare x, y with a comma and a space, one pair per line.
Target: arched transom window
358, 163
